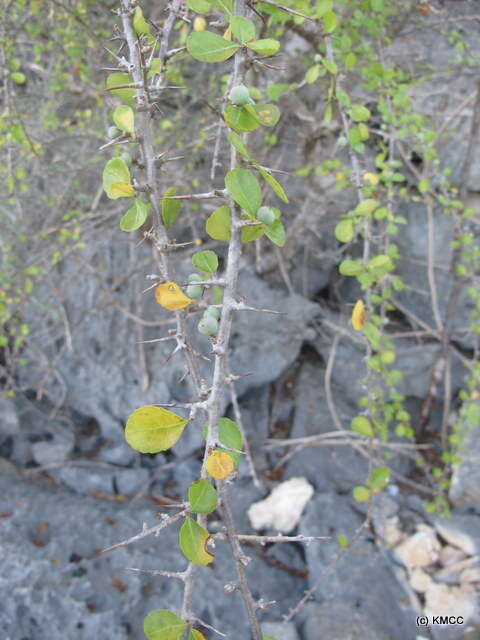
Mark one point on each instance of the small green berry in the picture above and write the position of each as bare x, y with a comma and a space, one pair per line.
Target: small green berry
113, 132
195, 277
127, 158
240, 95
194, 291
265, 215
208, 325
212, 311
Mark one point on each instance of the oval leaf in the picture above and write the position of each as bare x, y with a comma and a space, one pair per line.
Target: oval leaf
119, 79
273, 183
351, 267
219, 464
152, 429
120, 190
238, 143
210, 47
135, 216
363, 426
239, 119
140, 25
276, 233
163, 625
250, 233
361, 494
379, 478
218, 225
171, 297
266, 47
193, 540
206, 261
199, 6
124, 118
359, 316
202, 497
195, 635
116, 171
245, 189
170, 208
345, 231
243, 29
267, 114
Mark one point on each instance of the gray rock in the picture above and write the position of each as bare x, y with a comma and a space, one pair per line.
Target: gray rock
461, 531
337, 620
56, 450
465, 483
120, 454
130, 481
86, 480
9, 425
345, 577
280, 630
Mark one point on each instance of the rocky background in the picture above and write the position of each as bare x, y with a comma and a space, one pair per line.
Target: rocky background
71, 486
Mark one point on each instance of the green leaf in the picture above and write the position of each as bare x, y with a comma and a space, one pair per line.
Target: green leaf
323, 7
202, 497
363, 426
268, 638
330, 22
210, 47
206, 261
163, 625
115, 172
199, 6
372, 334
267, 114
121, 190
192, 539
350, 61
361, 494
330, 66
366, 207
250, 233
230, 436
312, 74
118, 79
238, 143
223, 5
135, 216
240, 119
273, 183
351, 267
424, 185
379, 478
345, 231
219, 223
124, 118
245, 189
242, 28
18, 77
152, 429
265, 47
170, 208
359, 113
382, 261
276, 233
140, 25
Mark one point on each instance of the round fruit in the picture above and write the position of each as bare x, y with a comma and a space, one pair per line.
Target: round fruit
240, 95
212, 311
195, 277
265, 215
127, 158
113, 132
199, 24
208, 325
194, 291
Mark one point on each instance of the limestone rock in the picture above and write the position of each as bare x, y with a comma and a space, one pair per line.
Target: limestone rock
282, 509
419, 550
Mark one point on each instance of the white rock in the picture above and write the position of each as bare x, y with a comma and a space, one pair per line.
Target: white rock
390, 531
282, 509
441, 599
450, 555
455, 537
419, 580
419, 550
472, 574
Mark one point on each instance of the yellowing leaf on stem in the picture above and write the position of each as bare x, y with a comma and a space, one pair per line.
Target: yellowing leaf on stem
219, 465
122, 190
151, 429
193, 540
195, 635
371, 177
124, 118
359, 316
171, 297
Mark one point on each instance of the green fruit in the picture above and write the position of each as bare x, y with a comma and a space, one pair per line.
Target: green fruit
240, 95
113, 132
127, 158
208, 325
265, 215
194, 291
195, 277
212, 311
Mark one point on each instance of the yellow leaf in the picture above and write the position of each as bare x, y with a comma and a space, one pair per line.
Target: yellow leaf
171, 297
219, 465
122, 190
228, 34
359, 316
371, 177
199, 24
